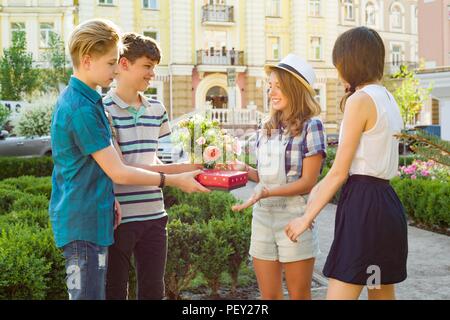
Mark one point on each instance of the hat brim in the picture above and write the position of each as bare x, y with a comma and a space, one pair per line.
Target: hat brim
269, 67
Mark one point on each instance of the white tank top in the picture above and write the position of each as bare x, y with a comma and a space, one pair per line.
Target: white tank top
377, 153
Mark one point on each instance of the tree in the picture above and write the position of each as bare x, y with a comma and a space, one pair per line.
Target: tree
56, 55
409, 95
428, 146
17, 76
4, 114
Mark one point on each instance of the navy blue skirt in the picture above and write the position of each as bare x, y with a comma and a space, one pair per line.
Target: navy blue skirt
370, 236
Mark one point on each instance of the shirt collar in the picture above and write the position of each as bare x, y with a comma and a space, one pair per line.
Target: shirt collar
121, 104
84, 89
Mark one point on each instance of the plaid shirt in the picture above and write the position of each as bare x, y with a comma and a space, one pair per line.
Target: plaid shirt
310, 142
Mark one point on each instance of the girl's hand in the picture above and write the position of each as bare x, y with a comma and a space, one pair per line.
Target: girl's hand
235, 165
258, 195
296, 227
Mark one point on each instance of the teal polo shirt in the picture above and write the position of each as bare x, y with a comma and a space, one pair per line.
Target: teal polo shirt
82, 200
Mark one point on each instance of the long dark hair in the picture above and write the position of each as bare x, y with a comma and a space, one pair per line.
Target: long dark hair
358, 55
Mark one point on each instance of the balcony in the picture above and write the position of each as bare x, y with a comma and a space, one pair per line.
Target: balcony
217, 15
220, 57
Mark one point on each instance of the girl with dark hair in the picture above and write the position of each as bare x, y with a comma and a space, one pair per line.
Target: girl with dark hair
370, 244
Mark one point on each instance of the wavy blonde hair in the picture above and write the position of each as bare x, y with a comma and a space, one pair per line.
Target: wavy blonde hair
301, 105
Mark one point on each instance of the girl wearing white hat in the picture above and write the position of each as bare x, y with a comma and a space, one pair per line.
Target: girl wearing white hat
370, 245
290, 155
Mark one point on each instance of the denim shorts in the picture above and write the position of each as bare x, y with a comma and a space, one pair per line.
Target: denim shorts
268, 240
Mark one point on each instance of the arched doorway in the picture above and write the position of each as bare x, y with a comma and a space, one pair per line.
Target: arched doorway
215, 80
217, 97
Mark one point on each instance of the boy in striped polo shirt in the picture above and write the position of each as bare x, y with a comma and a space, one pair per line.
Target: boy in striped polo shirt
138, 123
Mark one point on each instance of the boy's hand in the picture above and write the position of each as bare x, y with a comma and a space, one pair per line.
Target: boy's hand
186, 181
117, 214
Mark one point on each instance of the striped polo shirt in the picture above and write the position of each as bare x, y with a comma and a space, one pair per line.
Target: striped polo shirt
138, 132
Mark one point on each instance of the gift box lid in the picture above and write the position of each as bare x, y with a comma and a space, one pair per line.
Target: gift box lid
222, 173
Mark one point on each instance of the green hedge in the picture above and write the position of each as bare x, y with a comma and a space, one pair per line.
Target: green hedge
425, 201
32, 267
16, 167
205, 239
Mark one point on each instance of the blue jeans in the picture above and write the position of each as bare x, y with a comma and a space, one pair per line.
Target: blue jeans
86, 270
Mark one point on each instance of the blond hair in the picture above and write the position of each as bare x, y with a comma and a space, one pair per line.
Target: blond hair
93, 37
301, 105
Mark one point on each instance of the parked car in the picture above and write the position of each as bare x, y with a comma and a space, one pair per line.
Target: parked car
332, 139
168, 152
24, 146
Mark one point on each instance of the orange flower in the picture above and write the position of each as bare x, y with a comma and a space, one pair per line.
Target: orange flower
211, 154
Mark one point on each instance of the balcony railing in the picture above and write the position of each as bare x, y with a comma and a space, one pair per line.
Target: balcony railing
217, 13
220, 57
235, 117
225, 116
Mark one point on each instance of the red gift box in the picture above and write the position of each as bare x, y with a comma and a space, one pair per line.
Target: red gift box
222, 180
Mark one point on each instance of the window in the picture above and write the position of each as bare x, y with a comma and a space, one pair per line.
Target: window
349, 10
396, 16
414, 19
448, 10
106, 2
151, 34
371, 19
315, 48
317, 97
150, 4
273, 8
216, 2
314, 8
46, 29
16, 28
396, 54
274, 48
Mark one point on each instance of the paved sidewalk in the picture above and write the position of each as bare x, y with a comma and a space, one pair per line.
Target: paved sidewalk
428, 259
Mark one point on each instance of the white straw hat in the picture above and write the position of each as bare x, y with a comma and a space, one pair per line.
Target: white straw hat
298, 67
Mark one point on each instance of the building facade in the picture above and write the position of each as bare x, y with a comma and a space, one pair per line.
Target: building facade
202, 40
434, 49
38, 19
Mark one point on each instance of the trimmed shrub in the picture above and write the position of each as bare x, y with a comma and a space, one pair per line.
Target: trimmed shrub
185, 213
237, 234
32, 267
214, 252
7, 198
182, 257
16, 167
30, 202
29, 217
425, 201
23, 268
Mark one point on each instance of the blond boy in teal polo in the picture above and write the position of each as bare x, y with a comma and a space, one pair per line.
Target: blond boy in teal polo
86, 164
